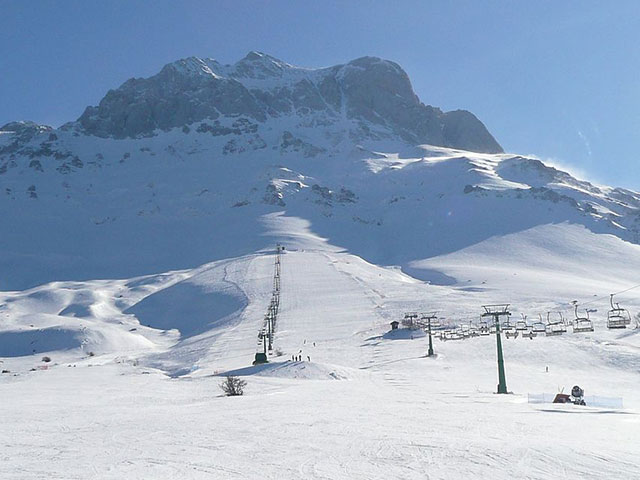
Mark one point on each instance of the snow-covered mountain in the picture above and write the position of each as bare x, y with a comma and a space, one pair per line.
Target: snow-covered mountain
136, 267
201, 160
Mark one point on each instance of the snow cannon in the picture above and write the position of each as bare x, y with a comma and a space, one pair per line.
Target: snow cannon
577, 395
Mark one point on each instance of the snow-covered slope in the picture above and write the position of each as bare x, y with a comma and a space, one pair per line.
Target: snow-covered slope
96, 200
176, 200
366, 403
136, 251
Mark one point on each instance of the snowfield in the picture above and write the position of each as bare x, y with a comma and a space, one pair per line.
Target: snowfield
368, 404
140, 263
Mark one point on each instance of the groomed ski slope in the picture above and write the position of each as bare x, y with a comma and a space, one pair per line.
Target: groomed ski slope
367, 405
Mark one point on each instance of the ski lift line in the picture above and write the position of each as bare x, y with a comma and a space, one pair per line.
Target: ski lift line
266, 334
609, 294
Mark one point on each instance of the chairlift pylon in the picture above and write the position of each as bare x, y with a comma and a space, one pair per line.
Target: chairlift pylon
496, 311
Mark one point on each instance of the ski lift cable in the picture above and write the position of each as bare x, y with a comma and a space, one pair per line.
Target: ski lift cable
605, 296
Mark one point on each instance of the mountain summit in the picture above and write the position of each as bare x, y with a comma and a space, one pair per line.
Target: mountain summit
373, 96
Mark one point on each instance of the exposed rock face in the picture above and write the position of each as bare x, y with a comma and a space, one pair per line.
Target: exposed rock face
368, 90
171, 98
24, 131
461, 129
37, 143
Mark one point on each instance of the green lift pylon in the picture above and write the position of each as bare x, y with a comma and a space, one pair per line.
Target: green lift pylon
429, 318
502, 381
496, 311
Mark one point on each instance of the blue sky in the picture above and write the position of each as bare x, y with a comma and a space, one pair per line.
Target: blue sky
560, 80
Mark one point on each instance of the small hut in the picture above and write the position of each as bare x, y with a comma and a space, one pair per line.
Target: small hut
394, 325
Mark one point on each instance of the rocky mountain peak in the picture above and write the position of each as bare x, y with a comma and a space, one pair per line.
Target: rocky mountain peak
372, 93
24, 130
259, 66
194, 66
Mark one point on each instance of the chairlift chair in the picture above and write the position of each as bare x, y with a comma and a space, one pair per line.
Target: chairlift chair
555, 327
508, 329
446, 334
563, 320
474, 331
521, 325
507, 325
617, 317
539, 326
581, 324
511, 332
410, 320
450, 334
483, 328
457, 334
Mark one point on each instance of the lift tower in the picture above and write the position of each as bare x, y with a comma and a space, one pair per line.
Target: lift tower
429, 317
497, 311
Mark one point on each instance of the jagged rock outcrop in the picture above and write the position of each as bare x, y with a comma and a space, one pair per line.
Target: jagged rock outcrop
25, 130
369, 91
